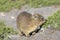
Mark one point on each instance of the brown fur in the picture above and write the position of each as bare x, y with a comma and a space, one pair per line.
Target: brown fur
26, 22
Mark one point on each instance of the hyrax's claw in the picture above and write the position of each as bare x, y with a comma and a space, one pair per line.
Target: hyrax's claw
33, 33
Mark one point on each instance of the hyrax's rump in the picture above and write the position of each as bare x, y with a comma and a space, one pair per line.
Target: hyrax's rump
27, 23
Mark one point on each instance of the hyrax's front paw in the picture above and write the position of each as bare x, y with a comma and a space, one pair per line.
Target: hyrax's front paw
20, 34
33, 33
27, 35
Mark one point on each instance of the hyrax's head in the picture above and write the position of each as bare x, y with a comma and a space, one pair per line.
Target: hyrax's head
39, 19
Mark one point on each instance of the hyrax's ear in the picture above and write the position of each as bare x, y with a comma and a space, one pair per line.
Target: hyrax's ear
35, 16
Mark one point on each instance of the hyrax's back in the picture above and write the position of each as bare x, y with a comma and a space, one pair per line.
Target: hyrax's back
23, 21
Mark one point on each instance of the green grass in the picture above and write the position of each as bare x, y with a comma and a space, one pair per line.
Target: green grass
5, 30
6, 5
54, 21
36, 3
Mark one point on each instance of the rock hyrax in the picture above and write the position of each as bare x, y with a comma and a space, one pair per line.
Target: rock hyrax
27, 23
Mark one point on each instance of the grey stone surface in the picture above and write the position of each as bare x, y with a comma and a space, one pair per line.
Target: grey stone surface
48, 34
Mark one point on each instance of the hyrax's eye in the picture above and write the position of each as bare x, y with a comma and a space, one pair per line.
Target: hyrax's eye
42, 18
